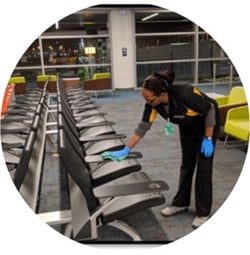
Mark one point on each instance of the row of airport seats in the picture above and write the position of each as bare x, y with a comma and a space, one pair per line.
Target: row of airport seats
101, 191
21, 83
23, 130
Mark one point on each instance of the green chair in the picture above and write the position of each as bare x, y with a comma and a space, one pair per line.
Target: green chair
100, 82
51, 79
236, 97
97, 76
20, 84
237, 124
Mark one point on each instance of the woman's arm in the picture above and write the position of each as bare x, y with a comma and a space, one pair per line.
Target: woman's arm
210, 121
133, 141
209, 131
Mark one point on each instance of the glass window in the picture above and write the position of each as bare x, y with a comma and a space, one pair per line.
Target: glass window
31, 57
209, 48
217, 71
183, 71
167, 36
76, 51
76, 45
87, 21
165, 47
161, 21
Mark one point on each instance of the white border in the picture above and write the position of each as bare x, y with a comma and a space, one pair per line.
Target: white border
21, 232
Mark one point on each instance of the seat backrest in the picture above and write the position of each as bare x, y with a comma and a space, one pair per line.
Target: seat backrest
241, 112
28, 151
82, 200
77, 169
44, 78
17, 79
24, 160
237, 95
68, 118
97, 76
71, 134
30, 185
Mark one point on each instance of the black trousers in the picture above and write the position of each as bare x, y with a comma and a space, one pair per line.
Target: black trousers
192, 160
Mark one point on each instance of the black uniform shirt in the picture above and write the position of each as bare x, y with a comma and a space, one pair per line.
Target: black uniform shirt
187, 106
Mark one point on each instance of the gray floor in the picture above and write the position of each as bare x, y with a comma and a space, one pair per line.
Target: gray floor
161, 160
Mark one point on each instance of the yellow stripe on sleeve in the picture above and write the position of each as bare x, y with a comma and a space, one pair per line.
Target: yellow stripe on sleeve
152, 115
190, 112
196, 91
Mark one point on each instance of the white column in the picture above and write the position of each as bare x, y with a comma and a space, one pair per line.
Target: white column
196, 55
122, 43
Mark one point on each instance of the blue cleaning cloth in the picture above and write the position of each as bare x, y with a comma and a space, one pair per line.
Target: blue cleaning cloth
116, 155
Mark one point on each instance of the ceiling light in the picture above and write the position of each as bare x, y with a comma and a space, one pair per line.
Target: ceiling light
150, 16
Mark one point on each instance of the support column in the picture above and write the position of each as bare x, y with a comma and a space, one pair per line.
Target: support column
122, 43
196, 55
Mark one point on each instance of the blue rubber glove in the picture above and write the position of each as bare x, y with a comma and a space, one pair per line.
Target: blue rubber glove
207, 147
116, 155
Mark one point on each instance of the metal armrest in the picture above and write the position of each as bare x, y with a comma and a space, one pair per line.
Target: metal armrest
11, 158
23, 107
14, 130
15, 118
12, 145
84, 116
83, 109
20, 104
130, 189
79, 105
102, 137
98, 124
80, 100
79, 111
17, 111
99, 158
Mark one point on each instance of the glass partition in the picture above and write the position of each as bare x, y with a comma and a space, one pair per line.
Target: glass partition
164, 47
219, 71
183, 71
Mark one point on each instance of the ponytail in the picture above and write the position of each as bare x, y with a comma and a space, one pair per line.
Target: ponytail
159, 82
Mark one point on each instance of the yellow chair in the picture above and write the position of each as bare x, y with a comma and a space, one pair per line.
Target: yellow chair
236, 97
100, 82
97, 76
42, 78
237, 124
45, 77
20, 84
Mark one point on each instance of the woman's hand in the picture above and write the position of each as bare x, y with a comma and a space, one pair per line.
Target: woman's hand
116, 155
207, 147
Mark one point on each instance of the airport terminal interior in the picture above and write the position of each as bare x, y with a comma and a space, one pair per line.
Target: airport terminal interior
76, 92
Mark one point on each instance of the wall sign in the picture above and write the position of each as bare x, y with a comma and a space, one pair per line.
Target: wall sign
124, 52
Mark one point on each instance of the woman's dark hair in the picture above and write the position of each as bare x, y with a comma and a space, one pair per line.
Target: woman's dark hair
159, 82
